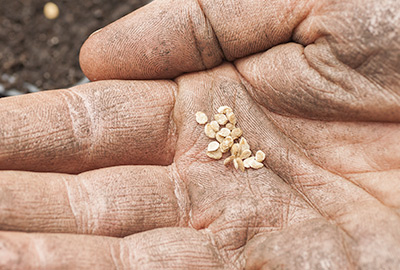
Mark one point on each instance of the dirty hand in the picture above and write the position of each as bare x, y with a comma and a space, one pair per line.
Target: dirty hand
121, 179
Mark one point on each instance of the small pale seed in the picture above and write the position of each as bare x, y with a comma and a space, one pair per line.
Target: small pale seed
215, 154
243, 144
224, 132
235, 149
230, 126
224, 109
240, 164
210, 133
201, 118
226, 144
228, 160
51, 10
245, 154
212, 146
247, 162
231, 118
214, 125
219, 137
221, 118
255, 164
235, 164
260, 156
236, 133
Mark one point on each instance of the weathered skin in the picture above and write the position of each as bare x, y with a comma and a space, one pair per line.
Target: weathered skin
314, 84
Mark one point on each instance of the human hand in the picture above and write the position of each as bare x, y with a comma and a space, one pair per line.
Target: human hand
314, 84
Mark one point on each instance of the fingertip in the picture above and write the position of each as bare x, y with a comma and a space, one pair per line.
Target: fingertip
154, 42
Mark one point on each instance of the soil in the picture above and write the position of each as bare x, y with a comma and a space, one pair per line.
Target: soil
38, 53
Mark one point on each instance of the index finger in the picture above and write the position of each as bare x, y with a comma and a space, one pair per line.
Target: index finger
167, 38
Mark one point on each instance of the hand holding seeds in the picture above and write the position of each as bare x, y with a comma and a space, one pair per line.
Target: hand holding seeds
241, 155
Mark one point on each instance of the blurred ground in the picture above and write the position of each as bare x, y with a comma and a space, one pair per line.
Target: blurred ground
38, 53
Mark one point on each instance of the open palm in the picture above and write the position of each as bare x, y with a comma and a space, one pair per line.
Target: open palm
113, 174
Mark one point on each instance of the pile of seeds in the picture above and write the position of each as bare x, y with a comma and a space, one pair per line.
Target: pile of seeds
229, 138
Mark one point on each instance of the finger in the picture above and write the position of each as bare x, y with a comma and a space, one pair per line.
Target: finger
170, 248
309, 82
116, 201
89, 126
167, 38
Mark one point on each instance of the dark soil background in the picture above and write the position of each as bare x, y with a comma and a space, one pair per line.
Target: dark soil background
38, 53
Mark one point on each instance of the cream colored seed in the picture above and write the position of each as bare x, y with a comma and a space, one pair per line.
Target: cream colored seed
228, 160
245, 154
235, 164
239, 163
210, 133
260, 156
51, 11
221, 118
214, 125
224, 109
226, 144
255, 164
213, 146
247, 162
219, 137
236, 133
224, 132
201, 118
243, 144
230, 126
231, 118
235, 149
215, 154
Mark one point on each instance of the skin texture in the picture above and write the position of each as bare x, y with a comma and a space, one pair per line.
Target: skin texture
113, 174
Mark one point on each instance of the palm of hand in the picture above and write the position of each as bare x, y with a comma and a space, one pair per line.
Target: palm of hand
326, 198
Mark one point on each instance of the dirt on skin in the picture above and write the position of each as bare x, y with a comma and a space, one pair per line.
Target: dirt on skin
38, 53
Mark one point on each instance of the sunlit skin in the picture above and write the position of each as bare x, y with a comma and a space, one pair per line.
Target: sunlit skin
114, 174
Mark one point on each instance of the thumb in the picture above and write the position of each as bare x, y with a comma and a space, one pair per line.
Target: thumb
167, 38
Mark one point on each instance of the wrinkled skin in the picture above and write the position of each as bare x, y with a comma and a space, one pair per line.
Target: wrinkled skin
113, 174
